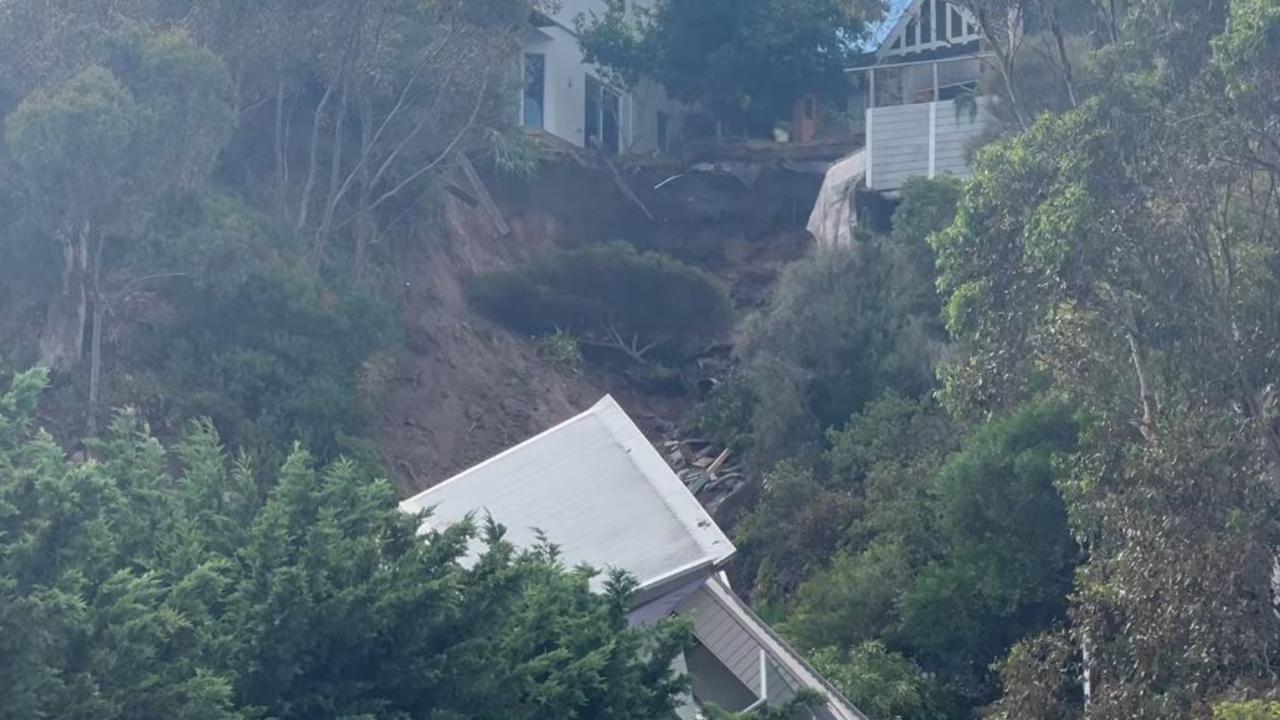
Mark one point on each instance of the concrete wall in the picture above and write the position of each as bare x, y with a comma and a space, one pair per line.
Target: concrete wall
927, 139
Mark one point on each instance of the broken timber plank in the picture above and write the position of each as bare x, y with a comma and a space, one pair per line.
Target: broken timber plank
718, 462
622, 183
486, 200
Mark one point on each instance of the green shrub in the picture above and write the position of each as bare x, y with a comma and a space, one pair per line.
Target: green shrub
882, 683
273, 359
845, 325
725, 414
1253, 710
610, 295
562, 347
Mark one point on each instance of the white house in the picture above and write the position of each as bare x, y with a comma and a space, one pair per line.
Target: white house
596, 488
564, 96
931, 57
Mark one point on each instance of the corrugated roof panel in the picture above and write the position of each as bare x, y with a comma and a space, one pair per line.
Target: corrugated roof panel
597, 489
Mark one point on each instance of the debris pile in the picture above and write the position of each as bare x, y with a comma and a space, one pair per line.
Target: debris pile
706, 469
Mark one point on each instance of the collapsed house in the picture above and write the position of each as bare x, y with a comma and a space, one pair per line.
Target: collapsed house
595, 487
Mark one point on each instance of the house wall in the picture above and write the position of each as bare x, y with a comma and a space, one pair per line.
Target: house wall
565, 87
564, 99
712, 682
724, 638
928, 139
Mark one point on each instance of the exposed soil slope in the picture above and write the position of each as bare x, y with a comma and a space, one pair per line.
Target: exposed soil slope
464, 388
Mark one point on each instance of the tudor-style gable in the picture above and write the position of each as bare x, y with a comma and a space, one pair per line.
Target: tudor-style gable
929, 25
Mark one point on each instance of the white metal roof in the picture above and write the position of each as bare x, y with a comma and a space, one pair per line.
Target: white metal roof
597, 489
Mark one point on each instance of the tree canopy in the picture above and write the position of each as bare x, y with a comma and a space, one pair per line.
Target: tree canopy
748, 60
167, 583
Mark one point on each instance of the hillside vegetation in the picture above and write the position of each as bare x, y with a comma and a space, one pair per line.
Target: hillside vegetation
1023, 448
1020, 455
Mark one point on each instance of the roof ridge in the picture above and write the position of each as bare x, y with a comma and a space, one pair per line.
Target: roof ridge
616, 419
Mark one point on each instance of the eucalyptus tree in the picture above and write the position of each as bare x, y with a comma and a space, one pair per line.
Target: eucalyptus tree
1122, 255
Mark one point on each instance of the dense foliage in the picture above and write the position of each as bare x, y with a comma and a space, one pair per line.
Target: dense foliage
1020, 455
845, 325
749, 60
130, 589
1084, 526
1122, 252
199, 198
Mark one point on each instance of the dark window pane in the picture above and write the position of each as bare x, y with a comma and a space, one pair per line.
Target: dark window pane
535, 86
591, 121
611, 122
926, 21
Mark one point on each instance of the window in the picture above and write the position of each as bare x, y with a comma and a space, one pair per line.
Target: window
611, 121
664, 129
912, 27
535, 86
955, 26
602, 121
591, 122
926, 22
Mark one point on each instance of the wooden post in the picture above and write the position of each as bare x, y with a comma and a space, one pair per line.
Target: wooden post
621, 182
482, 194
933, 137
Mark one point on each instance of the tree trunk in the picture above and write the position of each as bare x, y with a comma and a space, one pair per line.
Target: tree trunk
62, 338
320, 242
1067, 72
364, 214
282, 191
95, 342
95, 360
1146, 398
317, 121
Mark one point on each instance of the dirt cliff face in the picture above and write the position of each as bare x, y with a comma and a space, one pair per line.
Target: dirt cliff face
464, 388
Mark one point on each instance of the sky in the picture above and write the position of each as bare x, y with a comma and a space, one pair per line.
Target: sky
879, 30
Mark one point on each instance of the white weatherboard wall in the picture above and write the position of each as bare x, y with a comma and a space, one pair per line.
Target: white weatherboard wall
928, 139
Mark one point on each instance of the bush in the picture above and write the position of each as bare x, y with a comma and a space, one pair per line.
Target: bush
610, 295
170, 583
271, 360
725, 414
882, 683
1253, 710
845, 325
562, 348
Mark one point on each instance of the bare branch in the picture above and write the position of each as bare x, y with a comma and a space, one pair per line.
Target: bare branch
462, 133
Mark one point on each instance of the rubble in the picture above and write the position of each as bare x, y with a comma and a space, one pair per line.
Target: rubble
707, 469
